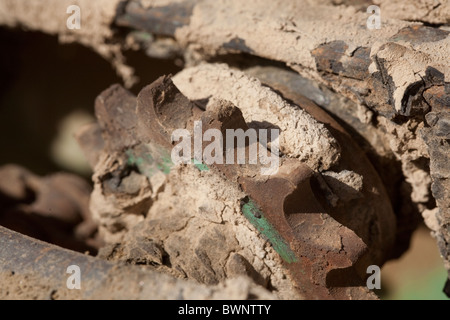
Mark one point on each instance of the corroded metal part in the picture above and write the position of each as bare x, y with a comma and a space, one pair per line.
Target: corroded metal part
27, 263
322, 254
162, 20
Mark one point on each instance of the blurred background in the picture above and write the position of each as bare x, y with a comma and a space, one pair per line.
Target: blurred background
47, 92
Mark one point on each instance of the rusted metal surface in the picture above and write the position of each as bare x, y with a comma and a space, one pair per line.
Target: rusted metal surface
291, 86
425, 99
325, 249
332, 58
420, 34
348, 72
32, 269
334, 63
293, 202
438, 97
161, 21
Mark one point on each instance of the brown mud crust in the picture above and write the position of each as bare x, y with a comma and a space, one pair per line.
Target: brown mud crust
364, 127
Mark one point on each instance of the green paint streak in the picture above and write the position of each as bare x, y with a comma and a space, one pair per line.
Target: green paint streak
149, 159
251, 211
200, 165
131, 159
142, 35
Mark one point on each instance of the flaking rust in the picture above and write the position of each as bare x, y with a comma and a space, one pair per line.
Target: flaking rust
325, 258
395, 73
